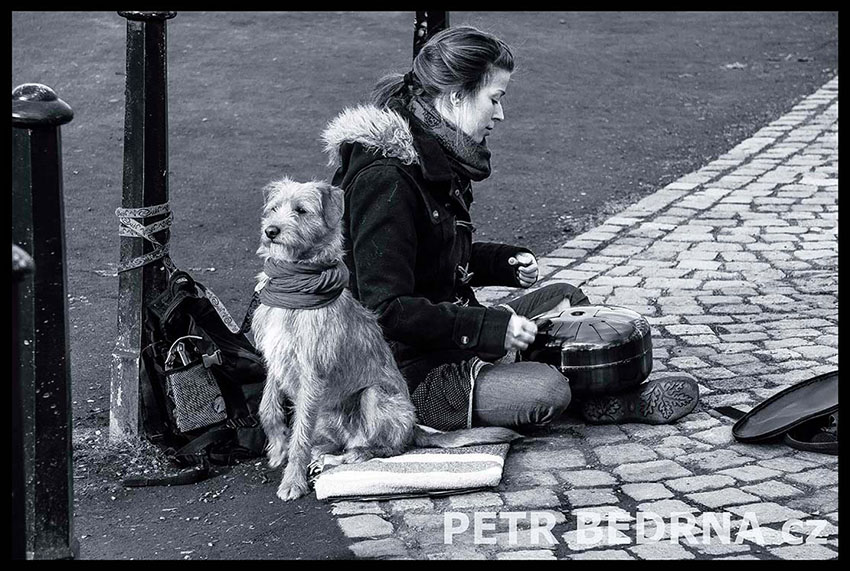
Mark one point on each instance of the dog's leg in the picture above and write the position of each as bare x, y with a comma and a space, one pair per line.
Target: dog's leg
273, 419
308, 401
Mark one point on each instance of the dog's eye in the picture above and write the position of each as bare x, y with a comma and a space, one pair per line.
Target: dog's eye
300, 210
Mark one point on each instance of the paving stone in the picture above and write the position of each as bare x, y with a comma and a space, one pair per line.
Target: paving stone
588, 478
751, 473
700, 483
822, 501
661, 550
424, 521
356, 508
647, 491
456, 554
375, 548
545, 460
533, 498
651, 471
411, 505
772, 490
527, 480
717, 436
787, 464
805, 551
715, 460
602, 555
767, 512
815, 478
583, 497
527, 554
665, 508
723, 497
526, 539
577, 542
624, 453
368, 525
475, 500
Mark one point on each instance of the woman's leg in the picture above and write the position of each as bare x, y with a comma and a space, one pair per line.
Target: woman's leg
516, 394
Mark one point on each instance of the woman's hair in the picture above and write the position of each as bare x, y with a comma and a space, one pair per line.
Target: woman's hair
456, 59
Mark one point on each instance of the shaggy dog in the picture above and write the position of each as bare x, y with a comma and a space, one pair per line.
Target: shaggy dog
324, 351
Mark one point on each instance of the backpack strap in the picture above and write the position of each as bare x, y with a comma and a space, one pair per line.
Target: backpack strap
153, 421
249, 314
190, 476
222, 312
195, 452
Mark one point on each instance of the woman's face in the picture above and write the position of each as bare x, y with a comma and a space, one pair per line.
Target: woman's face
476, 114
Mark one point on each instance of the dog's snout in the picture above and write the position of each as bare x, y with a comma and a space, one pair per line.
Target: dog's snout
272, 232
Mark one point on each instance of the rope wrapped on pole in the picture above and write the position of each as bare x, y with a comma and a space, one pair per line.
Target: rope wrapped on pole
129, 228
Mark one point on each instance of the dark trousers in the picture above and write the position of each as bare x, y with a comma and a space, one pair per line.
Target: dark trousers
514, 394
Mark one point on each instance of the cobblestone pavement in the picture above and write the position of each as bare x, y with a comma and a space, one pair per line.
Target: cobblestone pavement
736, 268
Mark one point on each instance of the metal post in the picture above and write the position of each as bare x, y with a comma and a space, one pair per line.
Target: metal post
425, 25
38, 226
145, 185
21, 266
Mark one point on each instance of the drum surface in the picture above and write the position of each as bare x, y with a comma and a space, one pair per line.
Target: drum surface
601, 349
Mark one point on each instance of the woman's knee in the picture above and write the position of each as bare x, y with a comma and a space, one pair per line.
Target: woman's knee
550, 394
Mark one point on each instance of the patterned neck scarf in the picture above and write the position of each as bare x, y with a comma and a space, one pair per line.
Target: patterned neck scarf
467, 156
302, 285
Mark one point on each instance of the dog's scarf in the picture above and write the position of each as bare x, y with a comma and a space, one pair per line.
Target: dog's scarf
302, 285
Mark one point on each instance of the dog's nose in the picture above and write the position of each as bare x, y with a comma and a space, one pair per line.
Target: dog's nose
272, 232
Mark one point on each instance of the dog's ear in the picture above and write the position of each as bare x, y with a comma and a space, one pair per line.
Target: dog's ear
332, 204
267, 192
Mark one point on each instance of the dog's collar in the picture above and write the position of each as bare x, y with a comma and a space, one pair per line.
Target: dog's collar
303, 285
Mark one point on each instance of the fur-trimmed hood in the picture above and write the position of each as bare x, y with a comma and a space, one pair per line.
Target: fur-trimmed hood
378, 129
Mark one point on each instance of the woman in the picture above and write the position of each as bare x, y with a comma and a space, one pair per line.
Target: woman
406, 163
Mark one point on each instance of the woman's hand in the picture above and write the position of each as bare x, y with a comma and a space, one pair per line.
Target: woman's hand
527, 271
520, 334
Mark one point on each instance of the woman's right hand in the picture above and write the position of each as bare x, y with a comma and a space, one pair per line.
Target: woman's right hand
520, 334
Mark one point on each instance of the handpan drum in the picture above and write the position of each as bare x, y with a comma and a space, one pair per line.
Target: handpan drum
600, 349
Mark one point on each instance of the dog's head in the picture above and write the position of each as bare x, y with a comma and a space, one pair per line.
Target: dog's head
301, 221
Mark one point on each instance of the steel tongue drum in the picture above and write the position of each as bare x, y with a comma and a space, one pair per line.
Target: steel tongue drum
600, 349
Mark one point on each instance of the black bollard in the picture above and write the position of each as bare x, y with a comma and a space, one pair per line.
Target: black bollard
38, 226
425, 25
144, 216
21, 266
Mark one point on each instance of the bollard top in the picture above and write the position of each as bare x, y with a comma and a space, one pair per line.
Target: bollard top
144, 16
22, 263
36, 105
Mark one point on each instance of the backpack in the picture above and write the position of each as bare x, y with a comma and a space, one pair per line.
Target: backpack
201, 380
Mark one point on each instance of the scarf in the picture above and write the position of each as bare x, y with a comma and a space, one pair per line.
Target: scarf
468, 157
302, 285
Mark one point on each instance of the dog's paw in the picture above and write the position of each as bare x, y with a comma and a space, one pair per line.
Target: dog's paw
277, 455
277, 461
291, 490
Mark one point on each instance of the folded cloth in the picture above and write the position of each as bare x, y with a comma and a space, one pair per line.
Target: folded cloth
419, 472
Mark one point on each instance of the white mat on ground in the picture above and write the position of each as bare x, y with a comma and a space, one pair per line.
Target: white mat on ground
419, 472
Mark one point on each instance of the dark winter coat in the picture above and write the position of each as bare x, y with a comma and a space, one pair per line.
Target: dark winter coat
408, 240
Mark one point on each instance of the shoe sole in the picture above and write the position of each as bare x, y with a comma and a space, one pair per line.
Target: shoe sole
660, 401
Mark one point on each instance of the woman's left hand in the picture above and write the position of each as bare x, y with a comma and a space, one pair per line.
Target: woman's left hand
527, 271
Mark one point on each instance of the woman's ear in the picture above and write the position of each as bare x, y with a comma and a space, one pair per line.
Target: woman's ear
454, 98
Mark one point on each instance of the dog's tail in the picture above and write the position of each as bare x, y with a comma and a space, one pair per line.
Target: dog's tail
429, 438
